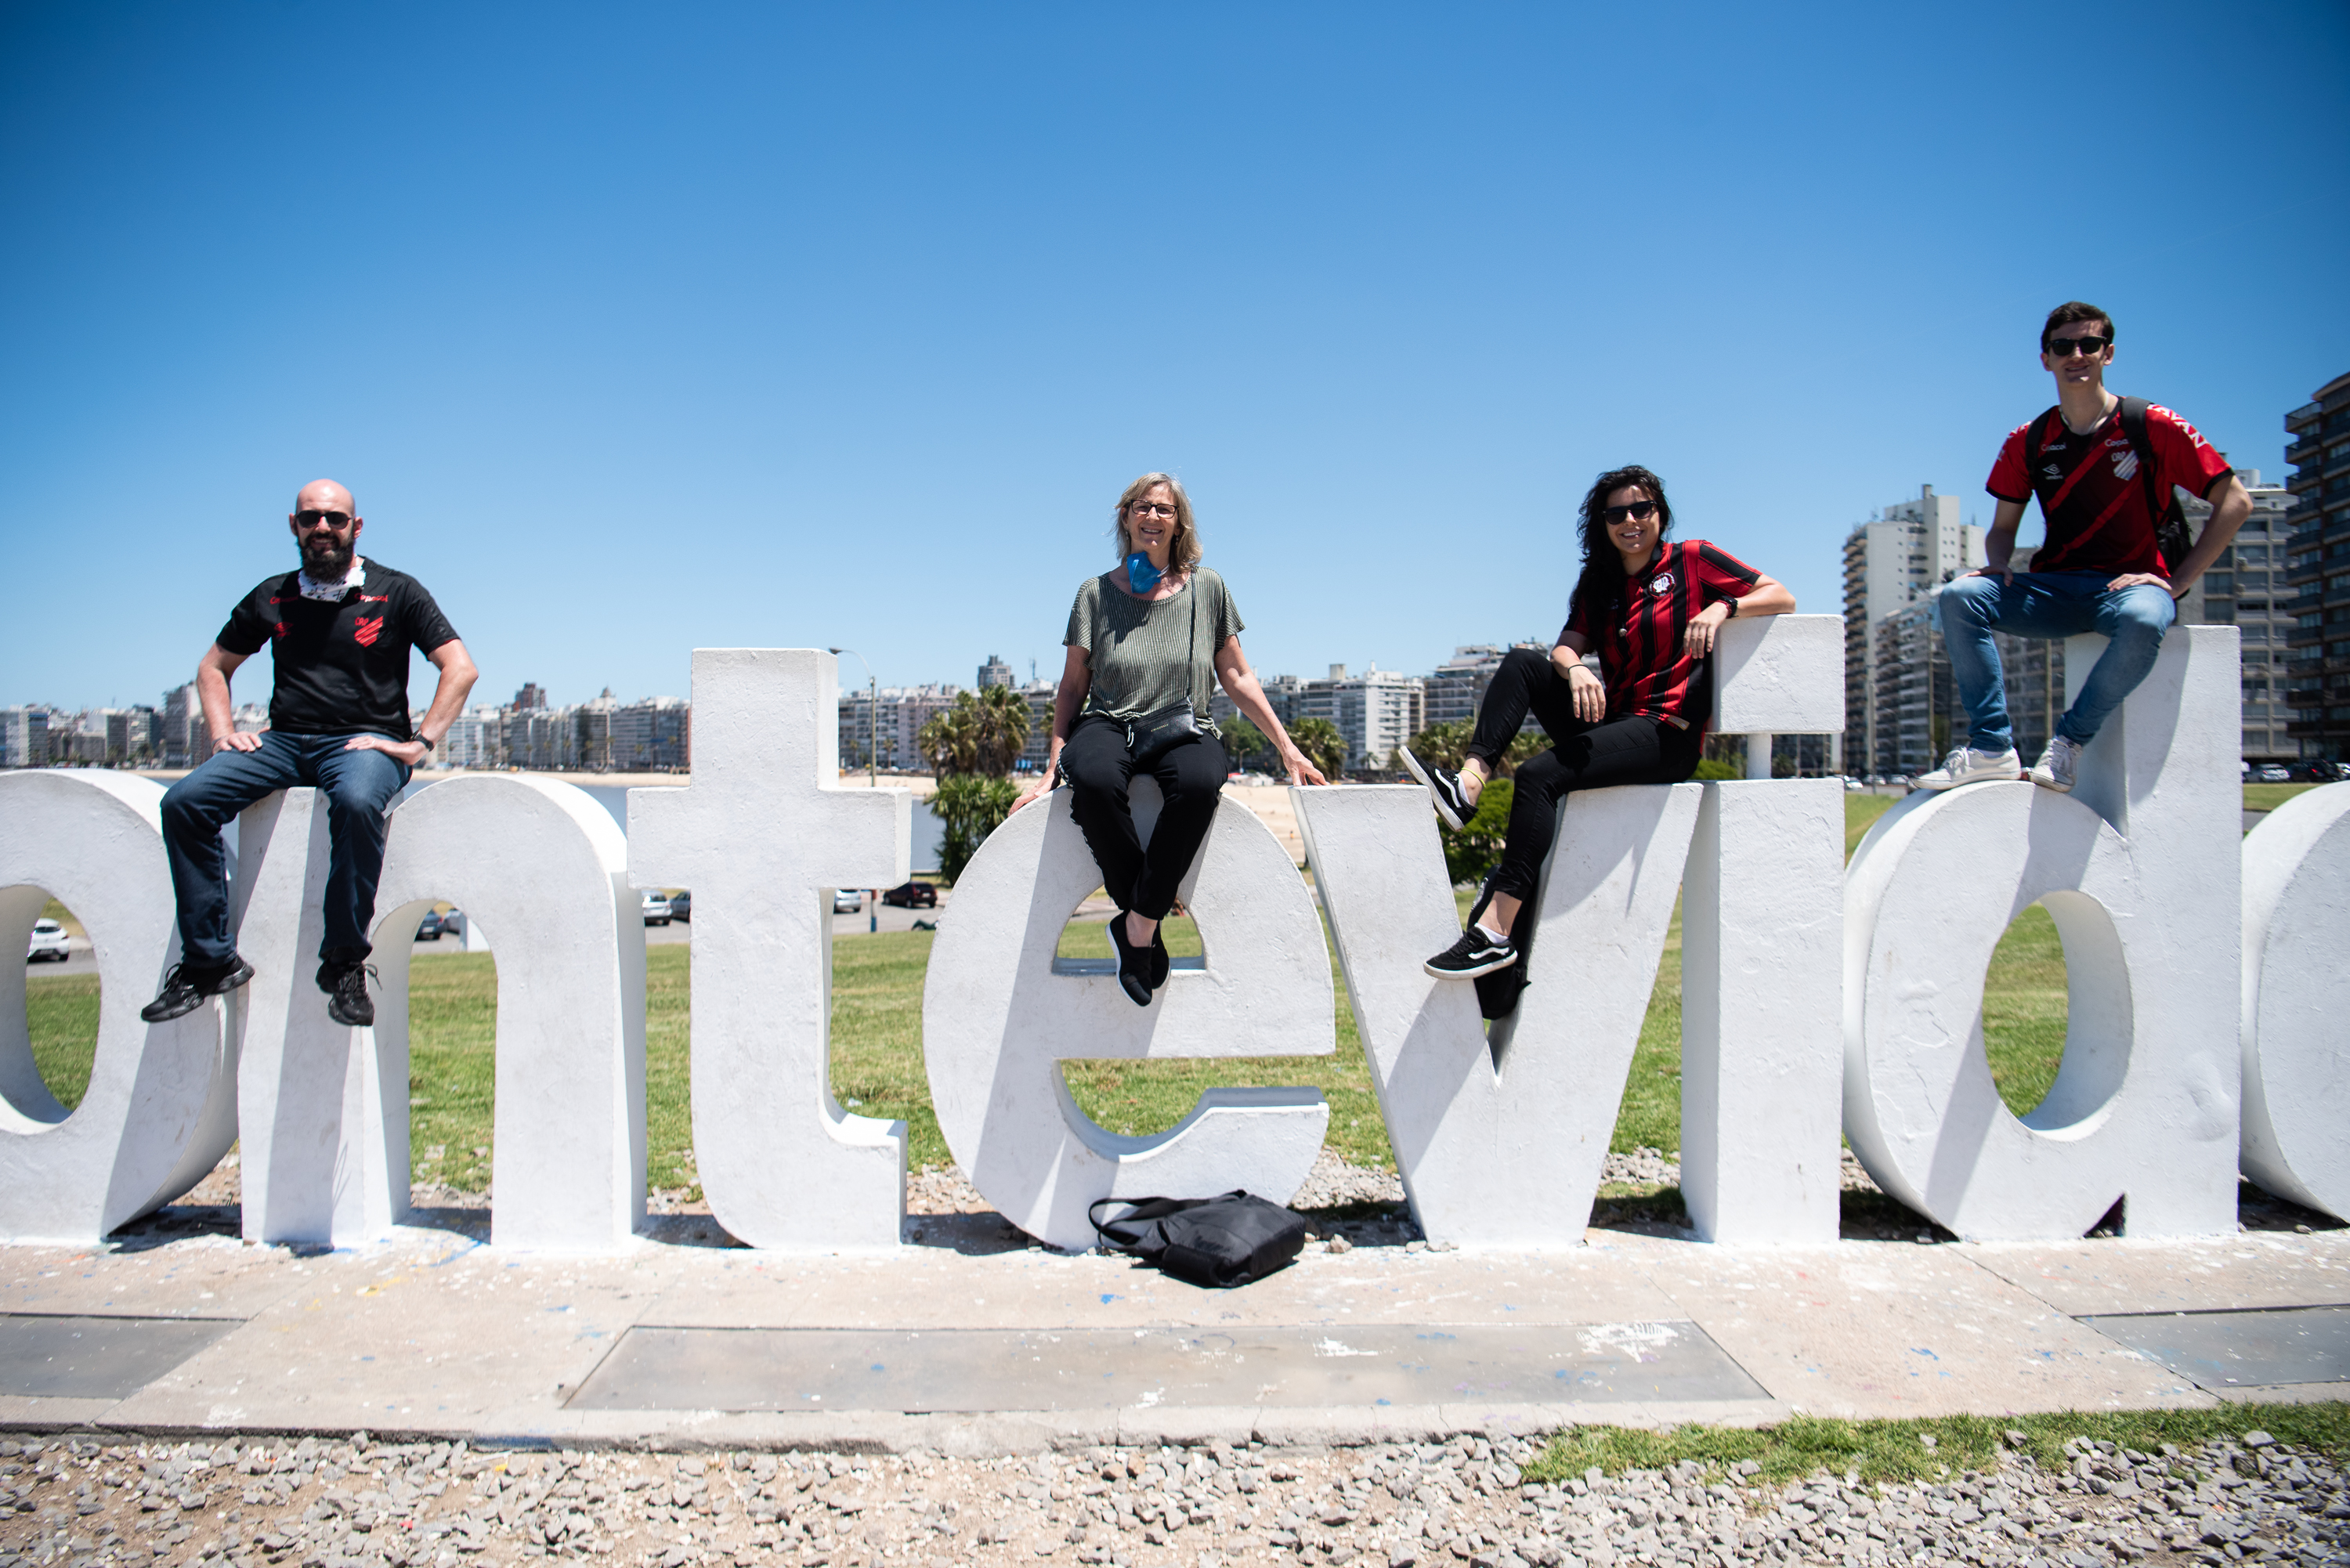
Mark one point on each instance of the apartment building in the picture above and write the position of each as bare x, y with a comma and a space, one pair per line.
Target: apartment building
2317, 572
1892, 562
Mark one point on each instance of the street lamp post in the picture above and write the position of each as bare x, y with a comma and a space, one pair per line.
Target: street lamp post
872, 776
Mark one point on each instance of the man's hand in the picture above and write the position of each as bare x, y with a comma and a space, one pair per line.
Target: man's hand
2005, 574
1035, 792
236, 740
1301, 770
1589, 697
1699, 638
2132, 579
409, 752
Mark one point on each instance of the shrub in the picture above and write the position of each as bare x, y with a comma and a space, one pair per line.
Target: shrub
969, 806
1476, 849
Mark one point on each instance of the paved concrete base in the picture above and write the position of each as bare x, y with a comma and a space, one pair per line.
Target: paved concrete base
434, 1334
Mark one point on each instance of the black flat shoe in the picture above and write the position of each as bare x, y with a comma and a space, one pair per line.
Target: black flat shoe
1133, 965
1160, 963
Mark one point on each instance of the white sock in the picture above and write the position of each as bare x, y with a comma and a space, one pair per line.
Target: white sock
1492, 935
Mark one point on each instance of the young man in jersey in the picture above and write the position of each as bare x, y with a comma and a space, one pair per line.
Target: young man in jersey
2101, 568
339, 630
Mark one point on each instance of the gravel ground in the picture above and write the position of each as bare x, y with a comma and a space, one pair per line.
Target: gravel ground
282, 1503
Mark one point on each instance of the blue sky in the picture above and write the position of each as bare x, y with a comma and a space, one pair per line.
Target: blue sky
642, 329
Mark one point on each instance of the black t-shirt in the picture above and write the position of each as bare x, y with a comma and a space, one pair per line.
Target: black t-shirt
342, 665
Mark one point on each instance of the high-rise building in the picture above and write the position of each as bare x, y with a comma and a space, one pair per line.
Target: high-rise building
475, 740
186, 741
24, 737
529, 697
650, 736
1893, 561
1039, 696
1375, 711
2245, 588
2318, 571
994, 672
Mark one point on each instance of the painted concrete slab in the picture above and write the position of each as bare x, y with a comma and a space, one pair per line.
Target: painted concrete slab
192, 1276
2083, 1278
1897, 1329
2265, 1347
1239, 1367
97, 1357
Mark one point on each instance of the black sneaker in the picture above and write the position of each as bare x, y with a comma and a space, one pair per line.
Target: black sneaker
186, 985
1452, 802
348, 1001
1160, 963
1474, 954
1133, 964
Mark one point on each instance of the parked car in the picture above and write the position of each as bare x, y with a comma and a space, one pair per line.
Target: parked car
847, 900
656, 909
2323, 772
429, 928
680, 906
913, 896
49, 941
1853, 784
2274, 772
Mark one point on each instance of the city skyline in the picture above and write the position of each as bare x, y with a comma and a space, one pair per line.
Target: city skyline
810, 345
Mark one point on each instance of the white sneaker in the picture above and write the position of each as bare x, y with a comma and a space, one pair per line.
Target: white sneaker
2054, 768
1964, 766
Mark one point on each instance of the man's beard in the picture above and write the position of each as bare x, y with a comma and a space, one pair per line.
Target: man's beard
327, 558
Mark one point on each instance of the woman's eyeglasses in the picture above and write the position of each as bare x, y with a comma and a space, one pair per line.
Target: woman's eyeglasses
1149, 509
1639, 511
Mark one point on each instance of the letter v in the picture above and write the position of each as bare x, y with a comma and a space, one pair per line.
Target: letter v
1499, 1145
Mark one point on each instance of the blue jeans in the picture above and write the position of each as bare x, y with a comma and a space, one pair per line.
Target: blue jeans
2050, 605
359, 788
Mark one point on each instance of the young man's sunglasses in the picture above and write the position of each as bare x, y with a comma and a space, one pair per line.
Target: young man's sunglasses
337, 521
2066, 347
1639, 511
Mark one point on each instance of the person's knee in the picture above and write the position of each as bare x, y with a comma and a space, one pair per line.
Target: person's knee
1526, 661
1970, 599
182, 805
2143, 613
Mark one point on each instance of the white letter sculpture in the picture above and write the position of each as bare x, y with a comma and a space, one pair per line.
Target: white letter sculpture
1501, 1143
1762, 953
160, 1108
762, 836
1000, 1013
325, 1108
2296, 1124
2139, 866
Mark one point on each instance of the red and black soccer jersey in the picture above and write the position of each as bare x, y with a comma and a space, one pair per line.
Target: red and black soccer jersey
341, 665
2092, 495
1641, 639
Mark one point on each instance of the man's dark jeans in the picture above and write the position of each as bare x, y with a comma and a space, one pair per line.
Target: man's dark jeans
358, 785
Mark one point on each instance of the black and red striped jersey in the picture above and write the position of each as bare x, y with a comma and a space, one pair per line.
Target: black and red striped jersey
1641, 639
2092, 496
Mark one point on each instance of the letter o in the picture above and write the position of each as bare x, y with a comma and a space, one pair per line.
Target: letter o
2296, 931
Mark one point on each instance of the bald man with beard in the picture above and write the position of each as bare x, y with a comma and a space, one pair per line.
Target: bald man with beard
339, 629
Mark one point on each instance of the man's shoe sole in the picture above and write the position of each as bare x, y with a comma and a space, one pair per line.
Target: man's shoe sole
335, 1011
229, 981
1411, 765
2050, 784
1499, 963
154, 1012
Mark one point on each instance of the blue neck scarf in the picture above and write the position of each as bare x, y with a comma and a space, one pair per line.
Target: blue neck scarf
1141, 574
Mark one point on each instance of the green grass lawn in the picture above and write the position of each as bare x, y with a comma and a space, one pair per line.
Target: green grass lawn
876, 1062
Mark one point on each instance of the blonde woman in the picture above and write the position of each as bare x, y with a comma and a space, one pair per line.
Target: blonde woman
1144, 641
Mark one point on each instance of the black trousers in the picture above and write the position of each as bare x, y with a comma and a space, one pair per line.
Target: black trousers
1583, 756
1190, 776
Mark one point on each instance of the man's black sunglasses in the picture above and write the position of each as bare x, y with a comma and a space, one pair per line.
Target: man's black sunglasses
308, 519
2066, 347
1639, 512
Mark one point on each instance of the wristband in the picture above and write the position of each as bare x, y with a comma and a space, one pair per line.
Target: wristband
1733, 610
422, 741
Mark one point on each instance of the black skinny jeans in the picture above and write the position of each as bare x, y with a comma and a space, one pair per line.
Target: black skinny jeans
1190, 776
1583, 756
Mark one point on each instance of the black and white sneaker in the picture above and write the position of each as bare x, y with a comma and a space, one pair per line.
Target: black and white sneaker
1452, 802
187, 987
348, 1001
1474, 954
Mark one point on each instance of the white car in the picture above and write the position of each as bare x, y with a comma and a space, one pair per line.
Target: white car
49, 941
847, 900
656, 909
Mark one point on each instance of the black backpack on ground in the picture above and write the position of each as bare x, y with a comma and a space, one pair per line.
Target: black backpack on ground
1213, 1242
2171, 535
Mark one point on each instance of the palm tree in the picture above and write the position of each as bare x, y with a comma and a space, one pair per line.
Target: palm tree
982, 734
